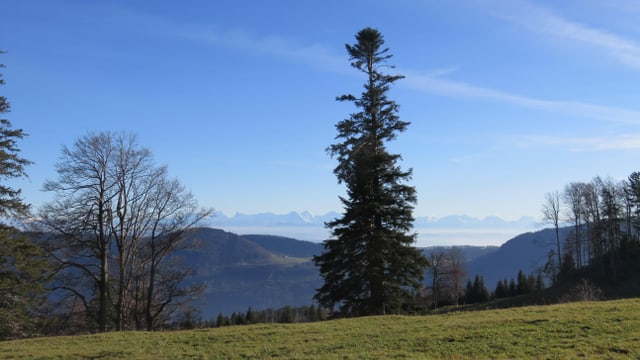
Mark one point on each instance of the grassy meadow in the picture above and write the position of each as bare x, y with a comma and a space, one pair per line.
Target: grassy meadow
589, 330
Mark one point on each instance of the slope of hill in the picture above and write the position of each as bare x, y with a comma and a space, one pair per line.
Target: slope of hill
218, 248
527, 251
286, 246
264, 271
254, 271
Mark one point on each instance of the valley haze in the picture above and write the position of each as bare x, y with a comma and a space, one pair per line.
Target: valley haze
452, 230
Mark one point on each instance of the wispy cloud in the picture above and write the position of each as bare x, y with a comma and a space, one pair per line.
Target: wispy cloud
541, 20
313, 54
624, 142
574, 144
238, 38
435, 81
451, 88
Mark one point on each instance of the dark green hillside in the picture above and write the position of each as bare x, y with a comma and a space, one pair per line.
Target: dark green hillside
591, 283
239, 273
219, 248
527, 252
264, 271
238, 287
618, 280
286, 246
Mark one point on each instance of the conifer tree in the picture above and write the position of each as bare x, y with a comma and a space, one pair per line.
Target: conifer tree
22, 266
513, 288
539, 282
501, 290
370, 265
11, 163
477, 291
220, 320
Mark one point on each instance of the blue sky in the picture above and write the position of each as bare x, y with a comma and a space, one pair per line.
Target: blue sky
508, 99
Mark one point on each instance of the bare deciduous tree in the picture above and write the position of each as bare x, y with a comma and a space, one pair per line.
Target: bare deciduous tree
78, 216
174, 212
438, 270
551, 214
117, 218
573, 198
447, 275
457, 273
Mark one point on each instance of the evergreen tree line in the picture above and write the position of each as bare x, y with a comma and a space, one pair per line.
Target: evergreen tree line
283, 315
604, 220
446, 282
523, 286
476, 291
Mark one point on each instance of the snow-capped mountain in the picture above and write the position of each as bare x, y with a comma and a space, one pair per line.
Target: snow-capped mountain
292, 218
305, 218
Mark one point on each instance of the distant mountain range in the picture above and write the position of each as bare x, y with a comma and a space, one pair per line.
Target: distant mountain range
292, 218
305, 218
449, 230
266, 271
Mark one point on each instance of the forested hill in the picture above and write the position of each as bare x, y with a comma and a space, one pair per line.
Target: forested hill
265, 271
217, 248
527, 252
251, 271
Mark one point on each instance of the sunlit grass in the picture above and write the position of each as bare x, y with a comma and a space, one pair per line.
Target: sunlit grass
580, 330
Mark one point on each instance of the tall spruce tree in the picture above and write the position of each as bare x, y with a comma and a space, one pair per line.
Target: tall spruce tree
370, 265
22, 267
11, 164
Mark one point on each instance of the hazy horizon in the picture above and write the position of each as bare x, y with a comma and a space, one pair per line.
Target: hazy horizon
481, 232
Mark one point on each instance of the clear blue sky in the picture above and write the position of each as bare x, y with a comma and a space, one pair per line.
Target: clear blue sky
508, 99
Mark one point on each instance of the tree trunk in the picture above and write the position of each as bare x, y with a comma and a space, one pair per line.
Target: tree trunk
558, 246
149, 303
103, 288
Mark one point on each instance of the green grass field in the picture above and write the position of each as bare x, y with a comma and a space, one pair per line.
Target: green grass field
606, 330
